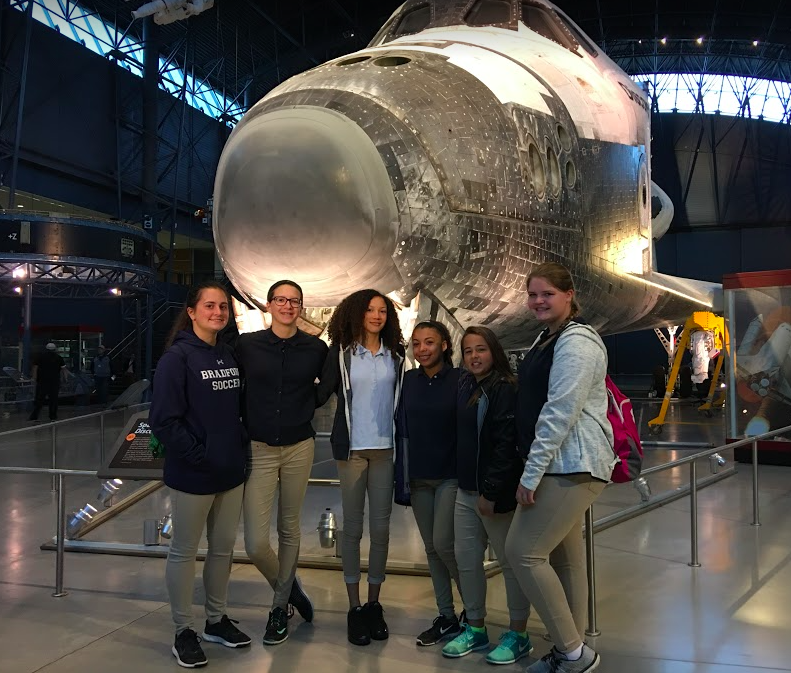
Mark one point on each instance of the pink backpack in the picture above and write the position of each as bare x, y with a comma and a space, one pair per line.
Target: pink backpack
626, 446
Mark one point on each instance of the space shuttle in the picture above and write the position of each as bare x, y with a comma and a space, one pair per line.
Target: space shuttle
468, 143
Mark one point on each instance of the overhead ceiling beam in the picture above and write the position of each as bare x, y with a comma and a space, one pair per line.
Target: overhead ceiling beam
282, 31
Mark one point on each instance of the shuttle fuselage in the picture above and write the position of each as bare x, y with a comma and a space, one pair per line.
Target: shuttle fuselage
450, 158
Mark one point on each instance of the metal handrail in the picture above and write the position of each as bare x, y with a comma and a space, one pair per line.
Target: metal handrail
614, 519
73, 419
60, 523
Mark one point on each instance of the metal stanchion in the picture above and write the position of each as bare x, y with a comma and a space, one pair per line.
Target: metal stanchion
61, 536
101, 438
756, 518
693, 514
592, 629
54, 433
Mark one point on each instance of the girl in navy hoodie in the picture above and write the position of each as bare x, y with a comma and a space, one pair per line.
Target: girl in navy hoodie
195, 414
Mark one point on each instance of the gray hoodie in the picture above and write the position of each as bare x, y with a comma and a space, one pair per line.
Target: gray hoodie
573, 434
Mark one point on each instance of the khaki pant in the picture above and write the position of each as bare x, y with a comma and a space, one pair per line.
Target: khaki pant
473, 531
368, 471
433, 504
219, 512
545, 550
282, 470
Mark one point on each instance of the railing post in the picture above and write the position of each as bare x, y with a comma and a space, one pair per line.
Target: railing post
592, 629
756, 517
101, 438
693, 514
60, 527
54, 435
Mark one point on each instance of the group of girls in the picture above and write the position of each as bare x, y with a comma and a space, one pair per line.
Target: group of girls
484, 461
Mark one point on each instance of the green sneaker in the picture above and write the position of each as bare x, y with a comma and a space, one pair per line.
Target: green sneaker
468, 641
512, 647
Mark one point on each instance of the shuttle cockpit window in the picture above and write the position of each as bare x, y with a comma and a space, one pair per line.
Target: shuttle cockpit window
487, 12
540, 20
582, 39
413, 21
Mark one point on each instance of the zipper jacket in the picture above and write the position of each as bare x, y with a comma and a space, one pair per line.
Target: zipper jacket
336, 378
498, 465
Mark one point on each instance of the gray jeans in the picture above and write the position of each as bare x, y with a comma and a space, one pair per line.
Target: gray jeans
545, 549
473, 531
433, 504
219, 512
367, 471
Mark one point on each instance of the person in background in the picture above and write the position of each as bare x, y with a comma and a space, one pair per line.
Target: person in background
364, 368
489, 467
102, 370
426, 433
195, 414
280, 366
565, 433
49, 369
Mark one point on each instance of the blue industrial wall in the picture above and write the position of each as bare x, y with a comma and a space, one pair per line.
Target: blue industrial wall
70, 149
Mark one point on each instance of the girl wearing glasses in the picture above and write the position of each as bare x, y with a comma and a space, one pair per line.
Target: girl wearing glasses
364, 368
280, 367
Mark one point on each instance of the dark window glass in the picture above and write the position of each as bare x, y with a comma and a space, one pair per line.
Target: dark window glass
583, 40
542, 22
383, 31
417, 20
485, 12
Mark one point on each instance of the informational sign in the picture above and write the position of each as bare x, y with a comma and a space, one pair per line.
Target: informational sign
127, 247
131, 458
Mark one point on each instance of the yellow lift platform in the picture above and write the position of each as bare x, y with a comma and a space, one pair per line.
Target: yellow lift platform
708, 322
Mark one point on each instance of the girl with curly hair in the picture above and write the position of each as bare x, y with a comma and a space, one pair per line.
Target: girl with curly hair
364, 369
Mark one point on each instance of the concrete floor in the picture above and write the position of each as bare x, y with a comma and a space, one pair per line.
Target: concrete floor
656, 614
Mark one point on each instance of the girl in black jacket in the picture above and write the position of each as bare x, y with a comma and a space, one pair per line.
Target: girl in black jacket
195, 413
489, 468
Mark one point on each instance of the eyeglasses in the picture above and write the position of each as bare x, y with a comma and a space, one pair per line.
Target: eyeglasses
282, 301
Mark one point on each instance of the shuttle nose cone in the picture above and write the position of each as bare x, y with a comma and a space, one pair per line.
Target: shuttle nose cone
302, 193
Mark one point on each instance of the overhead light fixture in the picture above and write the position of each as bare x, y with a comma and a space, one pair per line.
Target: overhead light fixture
663, 40
18, 290
642, 487
19, 272
166, 526
328, 529
79, 519
699, 40
19, 205
115, 291
108, 491
755, 43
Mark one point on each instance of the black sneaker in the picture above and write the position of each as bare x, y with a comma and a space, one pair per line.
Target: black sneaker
276, 627
357, 628
376, 621
225, 633
301, 601
443, 628
187, 650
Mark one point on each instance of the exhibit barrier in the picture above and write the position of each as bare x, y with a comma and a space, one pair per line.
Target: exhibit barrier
591, 526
